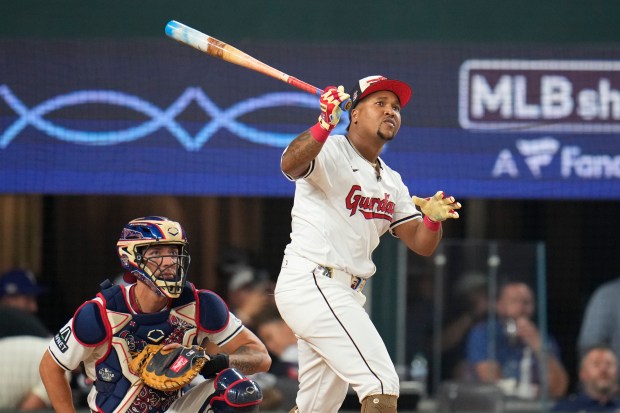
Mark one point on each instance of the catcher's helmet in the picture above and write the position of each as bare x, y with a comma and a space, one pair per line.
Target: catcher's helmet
141, 234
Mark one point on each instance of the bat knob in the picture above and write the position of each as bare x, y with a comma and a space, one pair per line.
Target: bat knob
346, 105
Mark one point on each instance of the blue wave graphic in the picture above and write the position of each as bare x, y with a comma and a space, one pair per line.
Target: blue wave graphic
158, 118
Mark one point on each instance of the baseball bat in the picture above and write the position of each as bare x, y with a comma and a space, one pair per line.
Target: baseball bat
217, 48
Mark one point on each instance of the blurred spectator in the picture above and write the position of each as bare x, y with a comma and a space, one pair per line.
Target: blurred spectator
19, 289
250, 293
18, 305
470, 305
601, 321
250, 296
518, 348
21, 387
598, 372
467, 305
282, 344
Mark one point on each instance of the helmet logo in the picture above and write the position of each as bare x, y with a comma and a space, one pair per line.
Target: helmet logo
173, 231
373, 79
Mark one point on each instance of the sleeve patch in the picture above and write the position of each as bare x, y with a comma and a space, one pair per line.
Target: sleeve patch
213, 313
62, 338
88, 325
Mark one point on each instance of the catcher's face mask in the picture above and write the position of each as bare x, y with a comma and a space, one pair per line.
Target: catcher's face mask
155, 250
165, 263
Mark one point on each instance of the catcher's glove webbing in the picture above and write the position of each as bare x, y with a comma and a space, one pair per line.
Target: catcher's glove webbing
168, 370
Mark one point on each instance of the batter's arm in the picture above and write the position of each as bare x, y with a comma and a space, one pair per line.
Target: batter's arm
298, 155
304, 148
418, 237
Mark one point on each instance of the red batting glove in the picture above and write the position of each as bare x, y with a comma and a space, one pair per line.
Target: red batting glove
330, 102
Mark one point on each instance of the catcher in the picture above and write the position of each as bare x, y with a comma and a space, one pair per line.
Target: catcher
144, 342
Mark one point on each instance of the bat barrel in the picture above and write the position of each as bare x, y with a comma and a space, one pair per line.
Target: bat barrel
173, 27
170, 27
185, 34
203, 42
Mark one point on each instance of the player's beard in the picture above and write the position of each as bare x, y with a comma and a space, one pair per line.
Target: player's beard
385, 137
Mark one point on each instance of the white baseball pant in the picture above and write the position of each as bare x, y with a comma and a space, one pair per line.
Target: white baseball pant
338, 343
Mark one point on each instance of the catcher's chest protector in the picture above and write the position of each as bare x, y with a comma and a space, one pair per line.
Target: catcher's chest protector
118, 389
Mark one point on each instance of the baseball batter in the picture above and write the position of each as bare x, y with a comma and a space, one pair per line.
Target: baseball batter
346, 197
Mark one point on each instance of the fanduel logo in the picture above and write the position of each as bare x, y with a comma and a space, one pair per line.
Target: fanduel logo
539, 153
549, 95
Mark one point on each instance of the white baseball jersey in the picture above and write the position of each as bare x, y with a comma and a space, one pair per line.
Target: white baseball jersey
342, 207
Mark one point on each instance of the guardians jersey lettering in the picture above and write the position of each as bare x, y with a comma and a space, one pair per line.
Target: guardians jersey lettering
370, 208
335, 207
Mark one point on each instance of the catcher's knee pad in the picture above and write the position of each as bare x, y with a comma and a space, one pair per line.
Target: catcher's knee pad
234, 393
379, 403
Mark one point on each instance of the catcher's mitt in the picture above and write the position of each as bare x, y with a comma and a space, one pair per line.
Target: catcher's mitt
168, 370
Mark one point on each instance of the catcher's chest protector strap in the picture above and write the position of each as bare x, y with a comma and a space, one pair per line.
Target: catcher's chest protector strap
379, 403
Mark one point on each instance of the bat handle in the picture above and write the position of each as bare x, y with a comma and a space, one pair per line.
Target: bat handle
300, 84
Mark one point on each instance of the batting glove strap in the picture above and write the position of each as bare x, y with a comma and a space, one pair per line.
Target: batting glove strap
217, 363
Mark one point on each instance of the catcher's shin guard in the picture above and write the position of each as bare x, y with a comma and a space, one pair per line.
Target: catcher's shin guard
235, 393
379, 403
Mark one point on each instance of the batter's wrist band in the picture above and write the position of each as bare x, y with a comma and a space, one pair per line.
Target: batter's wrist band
430, 224
318, 133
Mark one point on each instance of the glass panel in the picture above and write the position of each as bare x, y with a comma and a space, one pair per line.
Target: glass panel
453, 299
